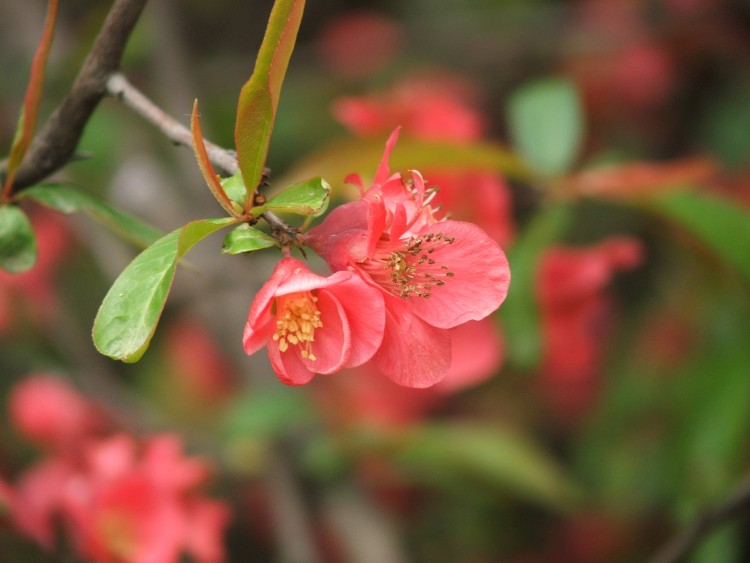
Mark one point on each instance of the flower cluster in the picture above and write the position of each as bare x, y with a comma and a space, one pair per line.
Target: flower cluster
117, 499
401, 280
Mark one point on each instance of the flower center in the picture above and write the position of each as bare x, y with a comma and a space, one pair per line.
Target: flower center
297, 317
408, 269
117, 529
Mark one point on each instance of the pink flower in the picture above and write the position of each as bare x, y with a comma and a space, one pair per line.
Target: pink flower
360, 43
438, 109
429, 108
197, 366
574, 312
36, 498
434, 275
313, 324
142, 508
50, 413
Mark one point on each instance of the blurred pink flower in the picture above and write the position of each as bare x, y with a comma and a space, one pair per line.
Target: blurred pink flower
429, 108
434, 275
363, 397
197, 362
313, 324
574, 311
36, 498
118, 500
359, 43
139, 507
48, 412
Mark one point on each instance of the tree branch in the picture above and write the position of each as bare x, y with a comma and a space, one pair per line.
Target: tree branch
118, 86
226, 160
57, 140
736, 505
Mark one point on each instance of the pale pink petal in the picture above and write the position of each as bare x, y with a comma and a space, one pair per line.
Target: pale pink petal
480, 279
413, 353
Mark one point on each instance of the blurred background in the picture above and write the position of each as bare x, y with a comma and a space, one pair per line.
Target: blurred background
603, 143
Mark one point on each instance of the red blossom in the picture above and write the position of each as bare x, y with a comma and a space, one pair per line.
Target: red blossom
429, 108
574, 312
48, 412
434, 275
312, 324
438, 109
116, 499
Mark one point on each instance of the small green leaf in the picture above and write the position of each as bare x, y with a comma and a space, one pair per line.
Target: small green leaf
519, 313
17, 241
309, 198
717, 223
67, 199
128, 316
245, 238
494, 458
259, 96
235, 188
546, 124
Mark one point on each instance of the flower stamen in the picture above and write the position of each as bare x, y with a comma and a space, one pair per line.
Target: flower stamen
297, 317
409, 269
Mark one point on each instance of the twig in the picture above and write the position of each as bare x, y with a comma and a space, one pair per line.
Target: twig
57, 140
119, 87
736, 505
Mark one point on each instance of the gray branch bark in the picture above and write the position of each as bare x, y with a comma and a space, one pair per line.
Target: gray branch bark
57, 140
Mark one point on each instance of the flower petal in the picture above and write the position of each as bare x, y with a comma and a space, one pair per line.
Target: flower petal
332, 343
381, 176
289, 366
366, 322
259, 326
413, 353
480, 279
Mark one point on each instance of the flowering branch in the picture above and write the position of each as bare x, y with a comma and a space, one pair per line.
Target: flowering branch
736, 505
56, 142
119, 87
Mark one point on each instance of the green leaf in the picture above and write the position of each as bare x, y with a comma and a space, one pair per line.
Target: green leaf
519, 313
309, 198
722, 226
27, 117
128, 316
245, 238
259, 96
546, 124
492, 458
235, 188
17, 242
67, 199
